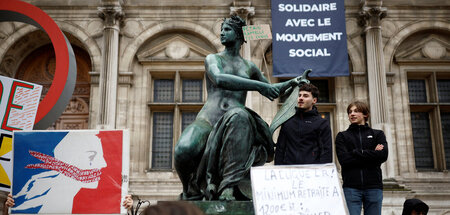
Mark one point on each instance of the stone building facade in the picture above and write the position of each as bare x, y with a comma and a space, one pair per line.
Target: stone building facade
140, 67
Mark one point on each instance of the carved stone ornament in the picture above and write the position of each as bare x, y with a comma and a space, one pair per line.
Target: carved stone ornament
430, 48
371, 16
176, 47
77, 106
434, 50
111, 15
177, 50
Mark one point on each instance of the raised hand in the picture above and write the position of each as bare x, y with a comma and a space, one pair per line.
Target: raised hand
127, 202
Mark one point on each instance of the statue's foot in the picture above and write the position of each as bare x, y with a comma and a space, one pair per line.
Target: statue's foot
227, 195
187, 197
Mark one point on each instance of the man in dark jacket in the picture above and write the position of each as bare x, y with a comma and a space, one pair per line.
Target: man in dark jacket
361, 150
305, 138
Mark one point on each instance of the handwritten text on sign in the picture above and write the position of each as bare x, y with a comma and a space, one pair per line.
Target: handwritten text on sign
19, 102
298, 189
257, 32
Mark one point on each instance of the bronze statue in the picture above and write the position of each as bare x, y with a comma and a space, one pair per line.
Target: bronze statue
214, 154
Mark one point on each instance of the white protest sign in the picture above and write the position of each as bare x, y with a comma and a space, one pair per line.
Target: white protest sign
297, 189
18, 106
257, 32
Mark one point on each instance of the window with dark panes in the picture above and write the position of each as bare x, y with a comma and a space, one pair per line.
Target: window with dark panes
192, 90
163, 90
187, 118
445, 119
429, 100
423, 150
324, 91
174, 106
162, 140
417, 91
443, 90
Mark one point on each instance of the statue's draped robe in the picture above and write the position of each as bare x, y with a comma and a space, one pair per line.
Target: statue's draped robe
238, 141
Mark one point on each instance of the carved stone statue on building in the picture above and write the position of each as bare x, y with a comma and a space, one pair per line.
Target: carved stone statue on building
214, 154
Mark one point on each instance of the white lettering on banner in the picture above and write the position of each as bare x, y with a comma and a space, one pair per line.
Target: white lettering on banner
299, 23
308, 37
308, 53
307, 7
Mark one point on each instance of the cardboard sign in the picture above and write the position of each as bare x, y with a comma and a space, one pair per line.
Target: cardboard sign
18, 107
257, 32
297, 189
65, 172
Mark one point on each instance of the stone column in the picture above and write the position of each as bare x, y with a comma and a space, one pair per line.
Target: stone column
111, 13
371, 14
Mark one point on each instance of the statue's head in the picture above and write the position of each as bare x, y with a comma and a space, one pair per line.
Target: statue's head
236, 23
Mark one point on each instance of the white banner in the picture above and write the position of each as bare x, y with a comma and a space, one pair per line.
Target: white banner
297, 190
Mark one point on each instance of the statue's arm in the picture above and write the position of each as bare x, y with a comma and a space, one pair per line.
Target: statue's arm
282, 87
233, 82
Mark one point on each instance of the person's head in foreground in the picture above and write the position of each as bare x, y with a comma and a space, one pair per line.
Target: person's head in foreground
414, 207
173, 208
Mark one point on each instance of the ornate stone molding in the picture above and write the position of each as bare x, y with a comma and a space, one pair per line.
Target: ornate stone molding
112, 15
359, 78
95, 77
390, 78
126, 78
242, 9
243, 12
371, 14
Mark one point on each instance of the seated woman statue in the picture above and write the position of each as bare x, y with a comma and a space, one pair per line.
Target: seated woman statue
215, 153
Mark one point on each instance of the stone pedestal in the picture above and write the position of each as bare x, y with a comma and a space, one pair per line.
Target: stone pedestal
226, 208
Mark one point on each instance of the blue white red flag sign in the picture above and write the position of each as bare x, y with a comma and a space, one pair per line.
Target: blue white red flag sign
70, 172
18, 106
309, 34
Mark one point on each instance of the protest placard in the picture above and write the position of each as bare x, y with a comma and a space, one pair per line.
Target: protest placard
309, 34
297, 189
257, 32
65, 172
18, 107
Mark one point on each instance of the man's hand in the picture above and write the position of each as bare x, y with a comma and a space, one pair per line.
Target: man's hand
379, 147
128, 202
9, 201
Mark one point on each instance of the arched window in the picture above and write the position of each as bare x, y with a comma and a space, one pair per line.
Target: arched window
425, 59
175, 63
39, 67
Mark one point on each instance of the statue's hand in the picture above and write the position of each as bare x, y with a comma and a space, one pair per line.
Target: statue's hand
271, 91
283, 86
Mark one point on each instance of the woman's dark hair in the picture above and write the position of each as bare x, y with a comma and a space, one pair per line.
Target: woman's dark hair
236, 23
